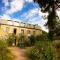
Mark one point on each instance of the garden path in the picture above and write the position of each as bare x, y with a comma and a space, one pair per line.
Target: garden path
19, 54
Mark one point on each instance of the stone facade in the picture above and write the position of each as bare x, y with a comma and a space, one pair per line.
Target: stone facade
10, 26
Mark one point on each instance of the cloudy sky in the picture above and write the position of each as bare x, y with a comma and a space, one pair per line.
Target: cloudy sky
22, 10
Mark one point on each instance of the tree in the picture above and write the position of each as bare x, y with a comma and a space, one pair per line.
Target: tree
50, 6
57, 31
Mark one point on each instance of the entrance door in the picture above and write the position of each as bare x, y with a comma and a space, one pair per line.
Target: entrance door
15, 30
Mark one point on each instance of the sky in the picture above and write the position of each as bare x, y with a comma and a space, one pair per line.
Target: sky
22, 10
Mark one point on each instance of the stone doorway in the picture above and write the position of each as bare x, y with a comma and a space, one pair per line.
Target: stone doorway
14, 31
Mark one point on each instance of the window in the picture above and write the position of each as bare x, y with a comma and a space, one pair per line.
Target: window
22, 31
0, 26
33, 32
28, 32
7, 29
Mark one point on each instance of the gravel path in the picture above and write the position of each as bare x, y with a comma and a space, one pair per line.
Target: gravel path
19, 54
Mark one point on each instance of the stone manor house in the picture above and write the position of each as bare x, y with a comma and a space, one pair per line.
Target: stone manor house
16, 27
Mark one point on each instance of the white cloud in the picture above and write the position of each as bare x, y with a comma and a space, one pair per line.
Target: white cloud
16, 5
44, 15
30, 14
5, 17
33, 12
29, 0
17, 20
58, 13
6, 2
40, 22
34, 16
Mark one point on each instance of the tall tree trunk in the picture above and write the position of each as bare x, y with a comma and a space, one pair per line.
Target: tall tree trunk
52, 22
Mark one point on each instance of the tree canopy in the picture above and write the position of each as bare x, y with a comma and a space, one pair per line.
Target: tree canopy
50, 6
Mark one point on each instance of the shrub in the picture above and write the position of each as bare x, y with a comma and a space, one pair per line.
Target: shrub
42, 37
56, 45
21, 41
25, 41
4, 51
41, 51
32, 40
11, 39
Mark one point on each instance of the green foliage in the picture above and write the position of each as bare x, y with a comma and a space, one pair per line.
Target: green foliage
11, 39
42, 37
25, 41
32, 39
50, 6
21, 41
41, 51
34, 54
4, 51
45, 50
56, 45
57, 31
